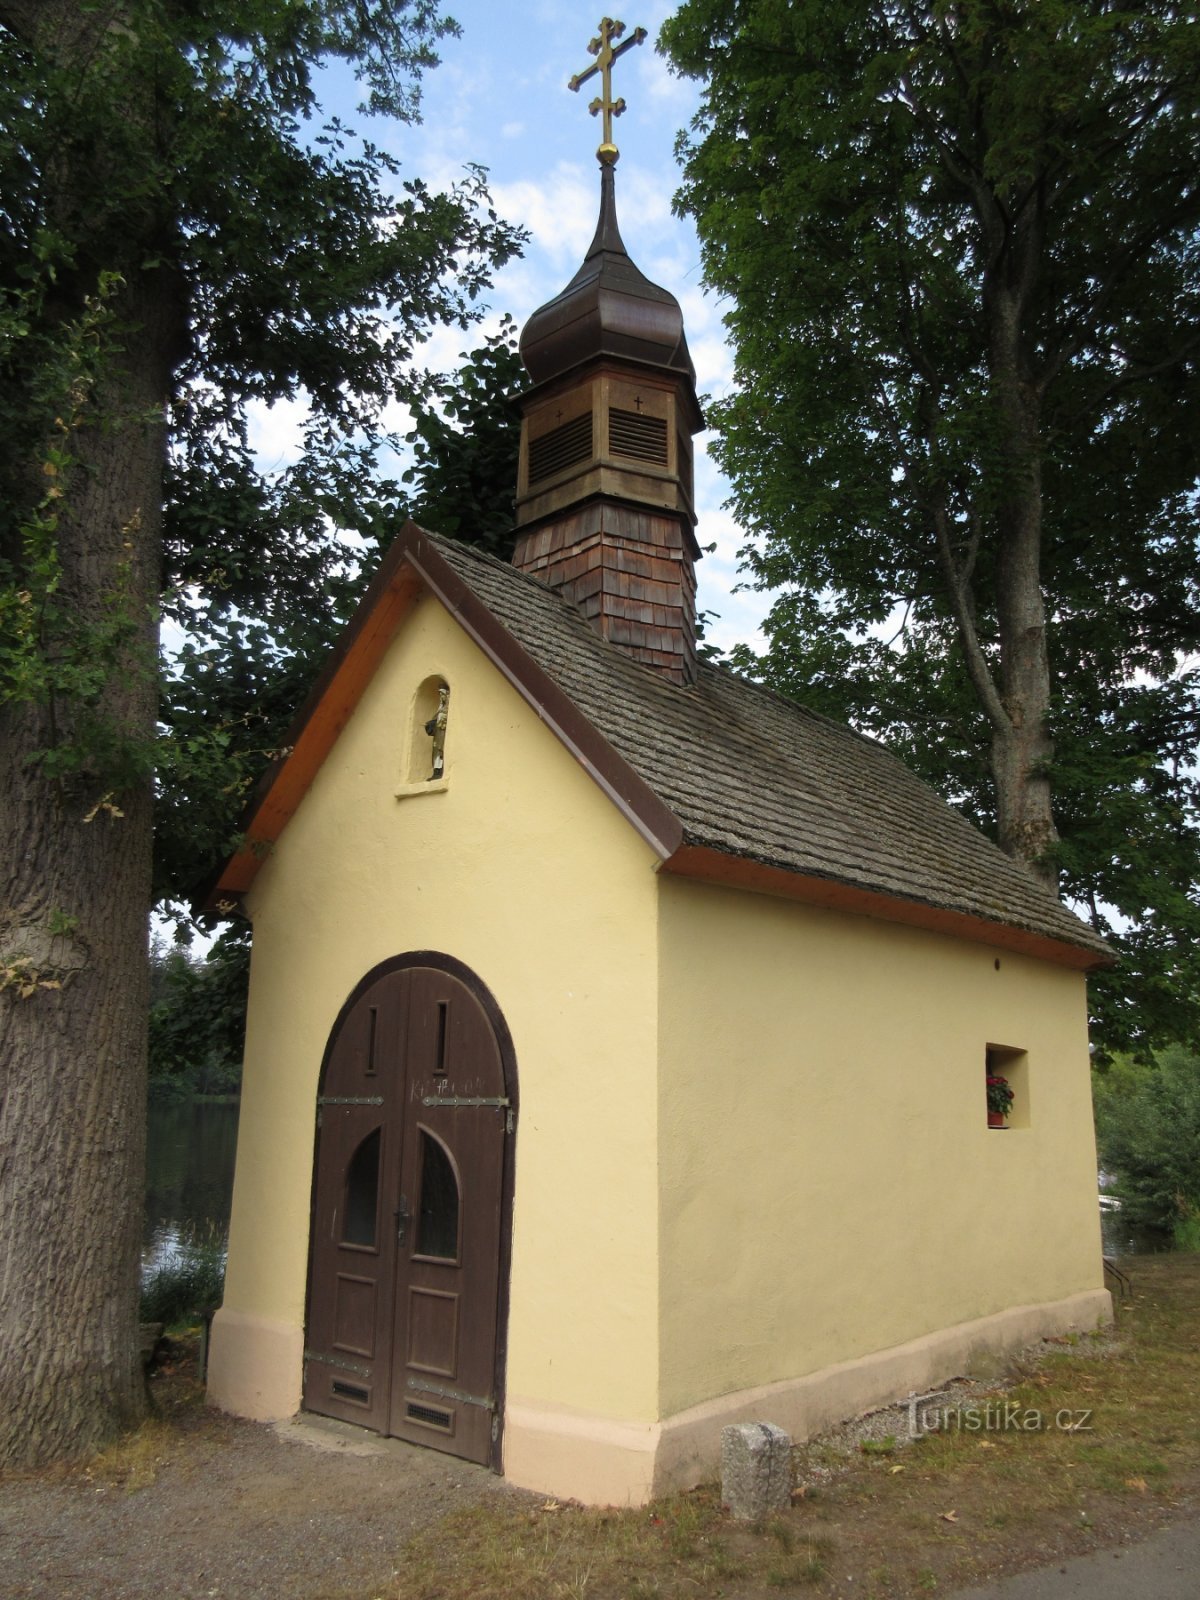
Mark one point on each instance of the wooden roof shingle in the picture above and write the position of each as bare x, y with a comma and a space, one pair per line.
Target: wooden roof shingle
727, 780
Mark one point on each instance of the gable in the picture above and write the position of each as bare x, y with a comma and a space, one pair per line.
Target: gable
410, 571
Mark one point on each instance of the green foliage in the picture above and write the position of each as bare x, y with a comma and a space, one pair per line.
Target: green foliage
178, 170
232, 693
961, 244
189, 1282
1148, 1132
466, 443
50, 653
235, 687
198, 1017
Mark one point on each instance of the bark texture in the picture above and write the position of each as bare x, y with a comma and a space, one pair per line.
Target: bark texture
1016, 698
75, 864
1021, 750
73, 923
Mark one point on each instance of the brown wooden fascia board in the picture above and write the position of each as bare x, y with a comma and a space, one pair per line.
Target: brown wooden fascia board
633, 797
739, 872
324, 713
411, 563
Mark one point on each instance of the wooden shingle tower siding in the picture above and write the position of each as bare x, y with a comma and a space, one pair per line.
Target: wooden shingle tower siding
605, 503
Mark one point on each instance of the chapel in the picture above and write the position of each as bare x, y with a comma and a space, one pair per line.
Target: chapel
619, 1030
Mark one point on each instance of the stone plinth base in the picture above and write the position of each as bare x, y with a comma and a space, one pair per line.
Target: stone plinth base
606, 1461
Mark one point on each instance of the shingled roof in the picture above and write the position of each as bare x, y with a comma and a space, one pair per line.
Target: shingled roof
727, 780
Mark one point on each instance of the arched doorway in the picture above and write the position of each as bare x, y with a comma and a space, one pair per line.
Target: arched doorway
412, 1205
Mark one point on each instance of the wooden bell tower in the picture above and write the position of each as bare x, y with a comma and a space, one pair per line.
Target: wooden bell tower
605, 498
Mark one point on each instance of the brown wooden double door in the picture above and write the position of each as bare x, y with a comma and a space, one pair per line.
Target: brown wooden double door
408, 1265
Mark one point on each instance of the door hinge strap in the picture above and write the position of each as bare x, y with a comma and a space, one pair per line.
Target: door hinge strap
350, 1100
422, 1387
466, 1100
336, 1361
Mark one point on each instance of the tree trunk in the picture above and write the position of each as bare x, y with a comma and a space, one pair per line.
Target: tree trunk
1021, 744
73, 1013
1021, 751
72, 1117
75, 871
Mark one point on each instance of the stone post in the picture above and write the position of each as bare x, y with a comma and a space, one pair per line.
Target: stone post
756, 1469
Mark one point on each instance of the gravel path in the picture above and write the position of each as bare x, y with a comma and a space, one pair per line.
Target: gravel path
230, 1510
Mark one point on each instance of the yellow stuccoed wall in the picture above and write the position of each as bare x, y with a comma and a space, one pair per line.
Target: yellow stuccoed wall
754, 1177
829, 1187
525, 871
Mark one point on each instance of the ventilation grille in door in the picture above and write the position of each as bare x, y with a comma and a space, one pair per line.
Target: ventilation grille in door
350, 1391
643, 438
430, 1416
561, 447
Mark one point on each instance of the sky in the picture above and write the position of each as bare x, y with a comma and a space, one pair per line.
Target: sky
500, 99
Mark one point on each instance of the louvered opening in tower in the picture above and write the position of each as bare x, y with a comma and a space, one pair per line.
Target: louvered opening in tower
560, 448
640, 437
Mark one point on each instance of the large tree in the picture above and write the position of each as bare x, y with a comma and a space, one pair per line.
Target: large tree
239, 676
180, 237
466, 443
960, 246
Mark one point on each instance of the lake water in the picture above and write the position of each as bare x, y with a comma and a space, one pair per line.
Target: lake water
189, 1175
189, 1183
1123, 1238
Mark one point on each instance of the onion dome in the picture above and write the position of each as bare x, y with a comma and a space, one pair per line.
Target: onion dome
609, 309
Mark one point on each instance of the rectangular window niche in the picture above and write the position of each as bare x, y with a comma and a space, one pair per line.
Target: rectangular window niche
1007, 1061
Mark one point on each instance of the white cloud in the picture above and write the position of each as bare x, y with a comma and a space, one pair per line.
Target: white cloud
559, 211
396, 418
664, 90
714, 365
522, 286
738, 613
276, 433
645, 202
734, 619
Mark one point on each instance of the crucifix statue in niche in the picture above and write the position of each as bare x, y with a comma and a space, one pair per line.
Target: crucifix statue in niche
436, 729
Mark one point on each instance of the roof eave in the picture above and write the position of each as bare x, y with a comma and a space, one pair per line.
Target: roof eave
322, 716
707, 865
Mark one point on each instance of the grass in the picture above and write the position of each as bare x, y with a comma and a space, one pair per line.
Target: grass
952, 1509
132, 1462
904, 1519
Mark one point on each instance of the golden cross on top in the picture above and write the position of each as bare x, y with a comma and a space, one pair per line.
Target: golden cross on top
602, 49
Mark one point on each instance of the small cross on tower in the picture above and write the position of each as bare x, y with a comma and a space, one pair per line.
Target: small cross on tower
602, 48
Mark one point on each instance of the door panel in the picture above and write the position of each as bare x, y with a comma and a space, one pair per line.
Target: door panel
354, 1316
405, 1284
352, 1264
454, 1152
432, 1331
